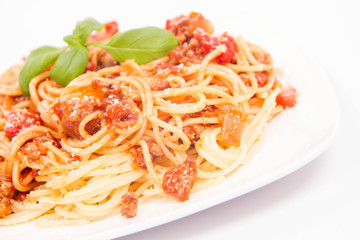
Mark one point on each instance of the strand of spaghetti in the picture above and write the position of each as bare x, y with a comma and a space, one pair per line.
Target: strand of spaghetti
8, 80
98, 198
109, 70
130, 63
26, 215
126, 145
132, 129
143, 187
226, 74
90, 149
256, 68
19, 140
34, 96
61, 156
103, 209
160, 142
241, 42
43, 93
193, 90
53, 88
252, 131
111, 170
69, 177
149, 164
209, 149
20, 105
80, 82
169, 107
239, 160
269, 84
201, 120
206, 81
173, 140
185, 140
50, 119
92, 116
212, 55
95, 189
176, 80
65, 213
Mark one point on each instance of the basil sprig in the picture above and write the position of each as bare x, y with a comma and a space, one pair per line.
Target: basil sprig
38, 60
142, 44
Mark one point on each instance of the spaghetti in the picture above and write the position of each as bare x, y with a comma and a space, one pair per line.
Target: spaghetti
123, 133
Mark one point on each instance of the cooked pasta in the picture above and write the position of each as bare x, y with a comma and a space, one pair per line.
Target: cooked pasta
123, 133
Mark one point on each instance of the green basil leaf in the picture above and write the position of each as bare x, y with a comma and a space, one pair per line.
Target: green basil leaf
72, 40
36, 62
82, 31
69, 65
142, 44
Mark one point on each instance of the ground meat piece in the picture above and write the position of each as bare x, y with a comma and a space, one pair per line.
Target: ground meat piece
179, 181
138, 156
186, 53
159, 85
155, 149
20, 196
7, 191
193, 132
18, 120
35, 148
32, 151
183, 26
104, 59
122, 113
129, 203
5, 208
72, 112
6, 188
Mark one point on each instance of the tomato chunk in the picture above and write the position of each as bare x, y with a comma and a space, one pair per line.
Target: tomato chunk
111, 28
18, 120
262, 78
209, 43
179, 181
287, 98
231, 129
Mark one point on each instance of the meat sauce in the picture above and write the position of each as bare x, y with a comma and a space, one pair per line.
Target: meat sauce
194, 35
179, 181
7, 191
18, 120
129, 202
118, 109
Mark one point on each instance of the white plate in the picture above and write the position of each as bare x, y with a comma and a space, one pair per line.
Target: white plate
292, 140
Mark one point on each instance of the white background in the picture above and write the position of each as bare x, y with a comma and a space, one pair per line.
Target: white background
319, 201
